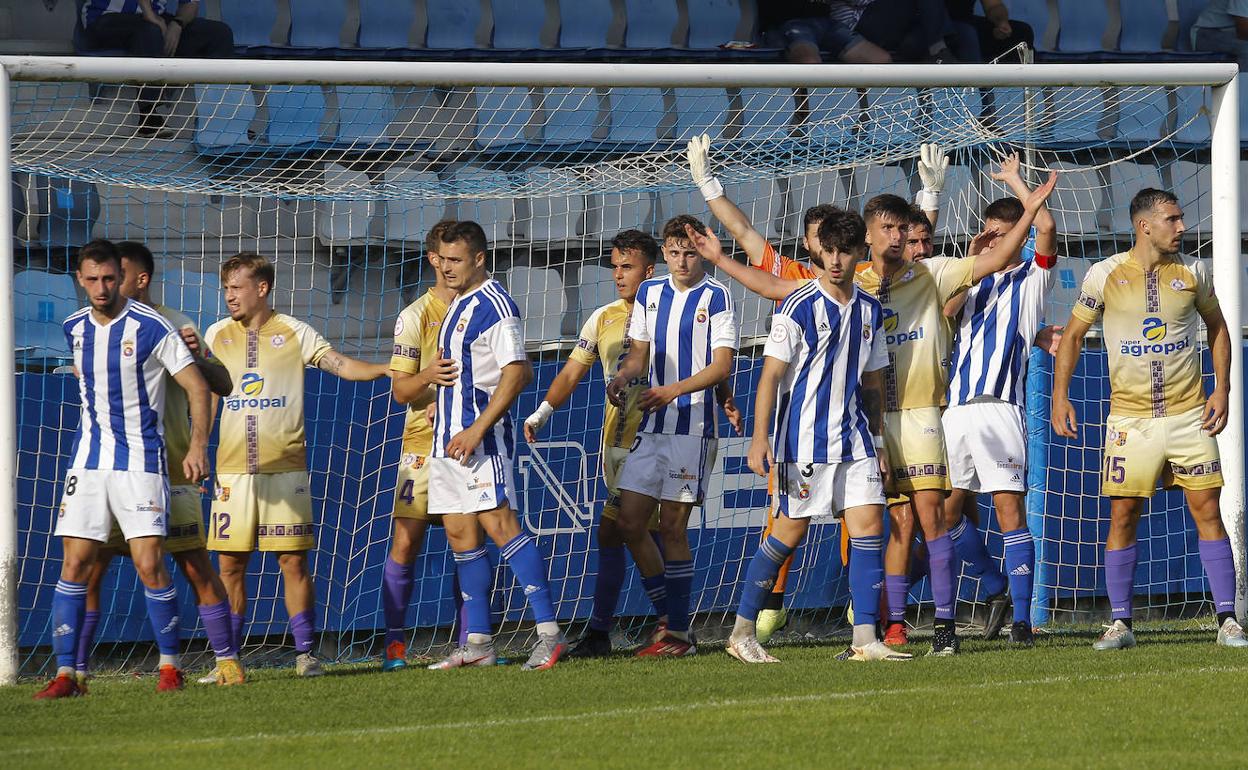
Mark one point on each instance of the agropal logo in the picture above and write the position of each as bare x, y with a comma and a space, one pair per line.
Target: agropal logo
1154, 329
251, 384
890, 320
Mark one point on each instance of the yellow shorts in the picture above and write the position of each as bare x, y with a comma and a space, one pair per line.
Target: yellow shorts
186, 523
1140, 451
262, 511
411, 492
915, 442
613, 458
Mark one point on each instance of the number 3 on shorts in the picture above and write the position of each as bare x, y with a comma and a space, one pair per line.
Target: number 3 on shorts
1115, 469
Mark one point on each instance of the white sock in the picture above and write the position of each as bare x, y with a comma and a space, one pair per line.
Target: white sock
171, 660
864, 634
65, 671
549, 628
480, 640
742, 628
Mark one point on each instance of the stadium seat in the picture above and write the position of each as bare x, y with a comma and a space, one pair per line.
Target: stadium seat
869, 181
495, 215
573, 116
963, 203
939, 108
41, 303
1188, 11
1038, 14
638, 117
1065, 291
752, 311
832, 116
1074, 116
539, 294
700, 111
1145, 27
452, 24
1143, 117
317, 23
761, 201
252, 22
386, 24
135, 214
585, 23
518, 23
1192, 183
595, 288
1125, 180
1083, 26
1077, 201
426, 114
765, 113
715, 22
505, 118
612, 212
342, 222
806, 190
1193, 126
650, 24
223, 114
410, 215
70, 209
365, 113
894, 116
550, 219
685, 200
196, 294
295, 114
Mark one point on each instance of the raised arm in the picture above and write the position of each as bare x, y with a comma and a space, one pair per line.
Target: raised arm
933, 163
200, 399
734, 219
514, 378
1065, 421
352, 369
560, 389
761, 282
996, 258
1216, 407
1046, 227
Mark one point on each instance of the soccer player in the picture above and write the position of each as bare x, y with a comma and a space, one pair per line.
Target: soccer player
985, 428
683, 331
919, 235
117, 471
185, 539
1160, 424
416, 370
822, 376
470, 471
263, 494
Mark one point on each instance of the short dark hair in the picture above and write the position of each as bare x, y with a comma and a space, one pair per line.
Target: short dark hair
887, 205
843, 231
816, 214
434, 236
138, 254
918, 218
99, 251
1007, 209
675, 227
635, 240
260, 268
1148, 199
467, 232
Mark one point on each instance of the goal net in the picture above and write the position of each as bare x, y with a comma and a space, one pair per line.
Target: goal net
336, 172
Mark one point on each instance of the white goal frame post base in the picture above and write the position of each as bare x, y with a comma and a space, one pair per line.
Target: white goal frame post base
1225, 148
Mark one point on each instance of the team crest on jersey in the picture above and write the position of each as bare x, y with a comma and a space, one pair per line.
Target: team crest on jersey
866, 333
398, 326
1178, 285
461, 326
61, 515
1154, 329
701, 317
278, 340
223, 494
1116, 437
779, 333
803, 491
127, 348
909, 274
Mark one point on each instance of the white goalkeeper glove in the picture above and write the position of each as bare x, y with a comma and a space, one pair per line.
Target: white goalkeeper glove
932, 165
698, 152
539, 417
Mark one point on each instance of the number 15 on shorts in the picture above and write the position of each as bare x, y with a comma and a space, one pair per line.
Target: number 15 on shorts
1115, 469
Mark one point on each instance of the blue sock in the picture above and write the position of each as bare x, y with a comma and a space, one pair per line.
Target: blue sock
473, 569
162, 611
679, 594
86, 639
760, 576
69, 606
1020, 556
970, 548
527, 565
607, 587
940, 553
656, 588
866, 576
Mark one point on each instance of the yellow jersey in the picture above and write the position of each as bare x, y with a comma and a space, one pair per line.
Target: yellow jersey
262, 419
604, 339
177, 418
416, 344
918, 335
1151, 320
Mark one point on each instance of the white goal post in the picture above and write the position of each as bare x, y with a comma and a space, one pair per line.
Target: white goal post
1225, 207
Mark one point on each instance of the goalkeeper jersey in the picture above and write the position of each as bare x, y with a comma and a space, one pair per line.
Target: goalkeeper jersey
1150, 321
262, 419
604, 340
416, 333
915, 328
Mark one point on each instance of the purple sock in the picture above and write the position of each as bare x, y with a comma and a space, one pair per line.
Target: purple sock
396, 593
896, 587
1120, 580
301, 627
940, 554
1219, 564
216, 619
236, 628
87, 638
920, 567
607, 587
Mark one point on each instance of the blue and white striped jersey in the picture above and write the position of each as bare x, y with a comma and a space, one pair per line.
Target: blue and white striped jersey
121, 381
995, 331
682, 328
482, 334
94, 9
819, 412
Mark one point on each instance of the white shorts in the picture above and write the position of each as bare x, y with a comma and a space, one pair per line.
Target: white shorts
93, 500
810, 490
986, 441
668, 467
484, 484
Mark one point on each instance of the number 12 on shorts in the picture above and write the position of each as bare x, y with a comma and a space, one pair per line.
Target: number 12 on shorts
1115, 469
221, 525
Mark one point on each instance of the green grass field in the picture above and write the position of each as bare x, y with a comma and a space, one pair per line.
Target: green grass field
1168, 703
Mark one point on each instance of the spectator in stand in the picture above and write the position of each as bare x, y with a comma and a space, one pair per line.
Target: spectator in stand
858, 31
984, 38
154, 28
1223, 28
